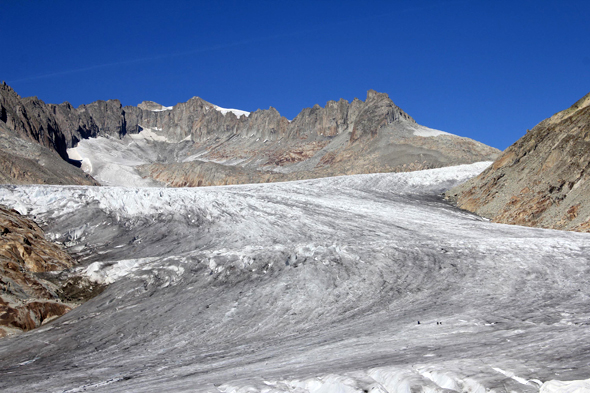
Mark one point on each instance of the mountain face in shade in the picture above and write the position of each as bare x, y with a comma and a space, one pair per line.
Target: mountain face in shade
541, 180
30, 119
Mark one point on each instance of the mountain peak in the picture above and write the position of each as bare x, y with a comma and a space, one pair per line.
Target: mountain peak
151, 106
375, 95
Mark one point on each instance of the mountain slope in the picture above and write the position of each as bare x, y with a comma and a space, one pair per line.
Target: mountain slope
32, 145
23, 161
30, 119
541, 180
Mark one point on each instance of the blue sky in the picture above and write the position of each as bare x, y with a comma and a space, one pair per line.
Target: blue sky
488, 70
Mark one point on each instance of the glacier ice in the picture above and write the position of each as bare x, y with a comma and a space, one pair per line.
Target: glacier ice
308, 286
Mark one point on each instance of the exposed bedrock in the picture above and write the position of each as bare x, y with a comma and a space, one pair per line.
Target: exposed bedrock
23, 161
542, 179
199, 144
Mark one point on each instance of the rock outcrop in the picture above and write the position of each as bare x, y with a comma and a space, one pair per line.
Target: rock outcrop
542, 180
31, 289
59, 127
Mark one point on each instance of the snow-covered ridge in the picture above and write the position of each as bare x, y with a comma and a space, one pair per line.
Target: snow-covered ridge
236, 112
224, 111
153, 106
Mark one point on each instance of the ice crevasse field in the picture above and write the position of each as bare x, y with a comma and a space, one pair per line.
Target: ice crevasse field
365, 283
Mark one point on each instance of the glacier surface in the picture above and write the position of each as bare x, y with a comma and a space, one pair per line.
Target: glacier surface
366, 283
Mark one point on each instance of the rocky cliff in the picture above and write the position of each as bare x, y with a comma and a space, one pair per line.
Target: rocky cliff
32, 292
33, 146
58, 127
541, 180
341, 138
30, 119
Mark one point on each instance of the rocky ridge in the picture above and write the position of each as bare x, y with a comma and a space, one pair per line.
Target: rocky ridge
30, 119
341, 138
33, 148
196, 143
542, 180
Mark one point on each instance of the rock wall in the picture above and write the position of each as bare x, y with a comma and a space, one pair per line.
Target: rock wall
24, 161
199, 120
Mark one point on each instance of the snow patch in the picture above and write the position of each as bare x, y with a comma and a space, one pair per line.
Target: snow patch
164, 108
148, 134
425, 132
236, 112
112, 161
513, 376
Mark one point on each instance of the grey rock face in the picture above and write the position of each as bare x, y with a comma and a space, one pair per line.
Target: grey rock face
341, 138
59, 126
378, 112
31, 119
108, 116
200, 120
74, 125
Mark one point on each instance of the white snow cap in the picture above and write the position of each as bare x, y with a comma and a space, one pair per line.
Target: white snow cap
236, 112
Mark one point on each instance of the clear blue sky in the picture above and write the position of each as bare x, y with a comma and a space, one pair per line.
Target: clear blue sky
483, 69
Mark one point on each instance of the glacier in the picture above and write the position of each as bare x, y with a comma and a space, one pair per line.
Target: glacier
365, 283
